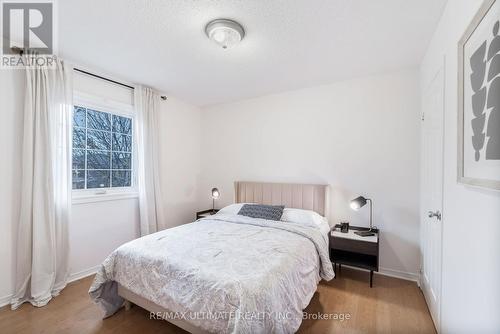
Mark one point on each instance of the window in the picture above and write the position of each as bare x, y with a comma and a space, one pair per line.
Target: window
102, 149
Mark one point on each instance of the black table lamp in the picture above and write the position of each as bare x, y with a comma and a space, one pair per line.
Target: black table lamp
357, 204
215, 195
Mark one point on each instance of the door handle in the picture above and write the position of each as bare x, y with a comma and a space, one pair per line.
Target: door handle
436, 214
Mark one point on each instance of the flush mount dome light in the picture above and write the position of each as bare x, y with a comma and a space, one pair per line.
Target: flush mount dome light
224, 32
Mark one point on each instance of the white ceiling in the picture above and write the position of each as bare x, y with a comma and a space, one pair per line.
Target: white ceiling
289, 44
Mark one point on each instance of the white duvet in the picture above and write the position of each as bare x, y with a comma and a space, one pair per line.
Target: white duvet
223, 274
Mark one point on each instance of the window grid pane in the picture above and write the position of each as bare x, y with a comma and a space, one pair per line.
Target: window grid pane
103, 148
86, 134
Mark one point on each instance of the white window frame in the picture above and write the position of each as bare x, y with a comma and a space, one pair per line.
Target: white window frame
120, 109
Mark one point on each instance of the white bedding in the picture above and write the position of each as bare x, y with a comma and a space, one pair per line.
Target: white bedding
230, 273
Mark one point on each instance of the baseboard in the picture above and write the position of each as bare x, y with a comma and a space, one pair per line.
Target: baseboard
399, 274
82, 274
5, 300
391, 273
72, 277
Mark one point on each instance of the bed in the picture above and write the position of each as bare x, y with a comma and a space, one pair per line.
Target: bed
226, 273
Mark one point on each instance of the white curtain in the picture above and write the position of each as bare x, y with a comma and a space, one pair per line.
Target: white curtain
42, 233
147, 139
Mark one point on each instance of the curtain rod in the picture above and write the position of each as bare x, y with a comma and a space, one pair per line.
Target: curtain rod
163, 97
103, 78
21, 51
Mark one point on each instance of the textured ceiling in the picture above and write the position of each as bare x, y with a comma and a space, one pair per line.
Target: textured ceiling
289, 44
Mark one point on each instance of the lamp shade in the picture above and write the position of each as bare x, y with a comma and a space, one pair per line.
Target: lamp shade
215, 193
358, 203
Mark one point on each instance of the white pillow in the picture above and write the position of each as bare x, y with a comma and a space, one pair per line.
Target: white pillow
232, 209
305, 217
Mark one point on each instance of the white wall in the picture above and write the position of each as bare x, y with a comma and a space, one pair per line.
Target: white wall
180, 160
471, 216
360, 136
97, 228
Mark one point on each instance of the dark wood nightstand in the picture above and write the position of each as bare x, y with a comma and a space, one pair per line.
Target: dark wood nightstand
353, 250
206, 213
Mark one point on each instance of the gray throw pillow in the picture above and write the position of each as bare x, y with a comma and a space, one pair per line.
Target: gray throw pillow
269, 212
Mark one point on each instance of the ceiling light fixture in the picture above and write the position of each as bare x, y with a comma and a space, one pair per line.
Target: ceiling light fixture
224, 32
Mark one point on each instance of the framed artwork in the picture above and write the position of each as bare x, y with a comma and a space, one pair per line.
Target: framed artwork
479, 99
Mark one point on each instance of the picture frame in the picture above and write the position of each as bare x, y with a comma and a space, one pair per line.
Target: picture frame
479, 99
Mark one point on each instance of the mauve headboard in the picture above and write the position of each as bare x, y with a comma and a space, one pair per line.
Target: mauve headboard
291, 195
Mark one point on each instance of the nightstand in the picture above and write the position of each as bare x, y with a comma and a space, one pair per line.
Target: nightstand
205, 213
353, 250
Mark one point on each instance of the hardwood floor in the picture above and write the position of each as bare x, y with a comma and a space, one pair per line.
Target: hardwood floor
391, 306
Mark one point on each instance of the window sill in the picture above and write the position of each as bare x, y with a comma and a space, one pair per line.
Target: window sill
93, 198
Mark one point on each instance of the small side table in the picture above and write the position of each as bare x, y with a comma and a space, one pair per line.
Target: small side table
206, 213
354, 250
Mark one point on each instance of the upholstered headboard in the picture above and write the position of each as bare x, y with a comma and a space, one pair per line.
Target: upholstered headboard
291, 195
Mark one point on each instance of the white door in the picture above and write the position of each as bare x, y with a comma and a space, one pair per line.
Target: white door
432, 193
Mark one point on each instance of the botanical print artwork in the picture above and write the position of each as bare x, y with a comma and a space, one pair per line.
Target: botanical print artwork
486, 57
479, 99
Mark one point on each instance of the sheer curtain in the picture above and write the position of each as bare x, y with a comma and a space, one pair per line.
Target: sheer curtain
42, 232
150, 198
